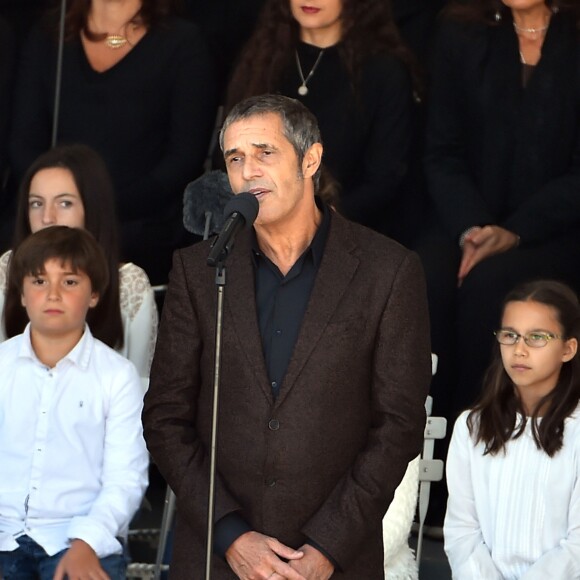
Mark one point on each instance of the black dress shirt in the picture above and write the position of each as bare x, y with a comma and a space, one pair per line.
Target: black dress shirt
281, 301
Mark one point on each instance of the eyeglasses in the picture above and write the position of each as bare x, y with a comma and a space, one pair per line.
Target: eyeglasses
532, 339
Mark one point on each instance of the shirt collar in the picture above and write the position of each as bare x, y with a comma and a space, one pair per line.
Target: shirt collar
79, 356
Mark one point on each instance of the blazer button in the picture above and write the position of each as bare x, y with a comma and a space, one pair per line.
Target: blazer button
270, 482
274, 425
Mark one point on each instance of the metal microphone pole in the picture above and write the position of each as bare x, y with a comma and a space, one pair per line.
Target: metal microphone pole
242, 211
58, 79
220, 280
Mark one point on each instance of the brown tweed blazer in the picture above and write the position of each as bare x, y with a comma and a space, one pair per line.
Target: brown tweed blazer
350, 414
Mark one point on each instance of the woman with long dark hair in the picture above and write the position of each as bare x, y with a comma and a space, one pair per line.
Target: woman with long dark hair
513, 468
137, 86
70, 185
345, 61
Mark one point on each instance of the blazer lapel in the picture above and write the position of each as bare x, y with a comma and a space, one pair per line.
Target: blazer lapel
240, 299
334, 276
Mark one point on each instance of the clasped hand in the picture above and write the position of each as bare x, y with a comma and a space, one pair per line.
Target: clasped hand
481, 243
254, 556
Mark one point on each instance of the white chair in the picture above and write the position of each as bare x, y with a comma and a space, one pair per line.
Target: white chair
147, 571
429, 469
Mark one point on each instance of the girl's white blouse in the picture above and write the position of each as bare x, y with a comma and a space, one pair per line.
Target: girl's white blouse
515, 514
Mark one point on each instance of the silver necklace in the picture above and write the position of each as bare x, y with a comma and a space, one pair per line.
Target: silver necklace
303, 89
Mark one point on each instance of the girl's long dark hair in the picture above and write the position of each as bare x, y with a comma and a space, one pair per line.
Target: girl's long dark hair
96, 190
493, 11
493, 420
368, 28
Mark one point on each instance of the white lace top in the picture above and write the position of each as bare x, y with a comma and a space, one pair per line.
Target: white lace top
138, 311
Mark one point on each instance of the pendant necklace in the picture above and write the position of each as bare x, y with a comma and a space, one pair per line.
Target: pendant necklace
303, 89
116, 41
120, 39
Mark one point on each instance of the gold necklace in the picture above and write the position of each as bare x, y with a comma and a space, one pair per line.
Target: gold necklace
116, 41
303, 89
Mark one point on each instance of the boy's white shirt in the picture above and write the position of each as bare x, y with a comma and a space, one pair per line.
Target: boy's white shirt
73, 462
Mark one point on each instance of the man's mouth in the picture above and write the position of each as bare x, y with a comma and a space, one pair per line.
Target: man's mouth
258, 191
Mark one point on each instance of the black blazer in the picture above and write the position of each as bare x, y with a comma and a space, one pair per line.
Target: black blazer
497, 153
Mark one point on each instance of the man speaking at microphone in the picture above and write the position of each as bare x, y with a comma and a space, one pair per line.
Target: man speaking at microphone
325, 369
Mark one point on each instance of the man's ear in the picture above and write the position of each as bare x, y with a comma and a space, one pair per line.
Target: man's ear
312, 160
94, 299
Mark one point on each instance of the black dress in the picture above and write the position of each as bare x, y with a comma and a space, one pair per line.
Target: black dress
150, 116
367, 127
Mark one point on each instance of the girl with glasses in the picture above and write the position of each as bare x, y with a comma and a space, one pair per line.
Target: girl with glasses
513, 468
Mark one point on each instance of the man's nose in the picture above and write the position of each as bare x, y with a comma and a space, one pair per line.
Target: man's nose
251, 169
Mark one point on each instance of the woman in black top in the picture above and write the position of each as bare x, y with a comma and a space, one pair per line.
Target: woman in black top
137, 86
345, 61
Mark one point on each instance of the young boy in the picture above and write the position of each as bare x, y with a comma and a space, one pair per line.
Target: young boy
73, 463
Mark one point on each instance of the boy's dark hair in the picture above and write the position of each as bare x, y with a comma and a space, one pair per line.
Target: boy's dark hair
95, 187
492, 420
72, 246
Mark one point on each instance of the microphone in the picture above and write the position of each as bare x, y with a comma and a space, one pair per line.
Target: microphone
241, 211
204, 201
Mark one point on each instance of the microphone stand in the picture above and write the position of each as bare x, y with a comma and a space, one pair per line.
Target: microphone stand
243, 213
220, 281
58, 78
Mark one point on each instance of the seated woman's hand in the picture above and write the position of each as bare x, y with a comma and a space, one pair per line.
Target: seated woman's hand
481, 243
